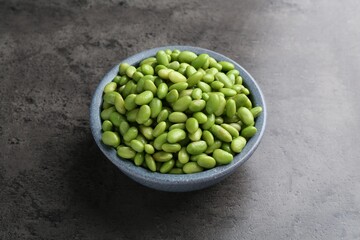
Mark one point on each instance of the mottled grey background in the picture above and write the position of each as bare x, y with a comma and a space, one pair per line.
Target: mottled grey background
302, 183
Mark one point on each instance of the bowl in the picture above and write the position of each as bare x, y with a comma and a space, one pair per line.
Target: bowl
174, 182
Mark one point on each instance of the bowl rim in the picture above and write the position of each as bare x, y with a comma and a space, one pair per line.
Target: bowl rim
141, 174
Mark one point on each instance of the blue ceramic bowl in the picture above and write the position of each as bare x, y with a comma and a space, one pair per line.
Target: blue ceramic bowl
173, 182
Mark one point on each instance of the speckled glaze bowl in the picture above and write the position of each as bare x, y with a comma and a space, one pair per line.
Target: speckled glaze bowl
173, 182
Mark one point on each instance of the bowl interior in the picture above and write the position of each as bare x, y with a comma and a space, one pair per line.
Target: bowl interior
149, 178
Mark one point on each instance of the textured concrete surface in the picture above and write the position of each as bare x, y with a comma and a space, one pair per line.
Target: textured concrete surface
302, 183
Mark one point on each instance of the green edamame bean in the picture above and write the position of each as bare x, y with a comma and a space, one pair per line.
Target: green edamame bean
238, 144
130, 134
236, 126
164, 73
200, 117
183, 156
137, 76
116, 118
105, 114
196, 94
174, 55
139, 158
219, 120
237, 88
140, 85
177, 126
179, 86
231, 77
256, 111
196, 136
208, 137
206, 162
186, 57
242, 101
186, 92
155, 106
221, 133
205, 96
167, 166
197, 105
245, 91
175, 65
109, 97
150, 85
162, 58
230, 108
146, 131
228, 92
150, 162
144, 98
110, 138
123, 67
212, 62
119, 104
159, 141
157, 82
222, 157
171, 147
234, 71
195, 78
106, 126
196, 148
226, 147
106, 105
209, 123
222, 103
131, 115
162, 156
177, 117
245, 116
176, 171
123, 80
195, 158
192, 167
217, 85
162, 90
172, 96
176, 77
149, 149
212, 103
124, 127
208, 78
204, 87
110, 87
147, 69
176, 135
216, 145
129, 102
221, 77
248, 132
239, 80
159, 67
143, 114
200, 61
149, 61
163, 115
129, 88
182, 104
192, 125
159, 129
125, 152
130, 71
137, 145
226, 66
233, 131
148, 122
212, 71
190, 70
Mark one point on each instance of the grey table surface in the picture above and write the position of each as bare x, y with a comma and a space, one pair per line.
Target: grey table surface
303, 182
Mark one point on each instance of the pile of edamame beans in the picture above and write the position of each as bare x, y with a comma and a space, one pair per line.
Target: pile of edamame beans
178, 112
